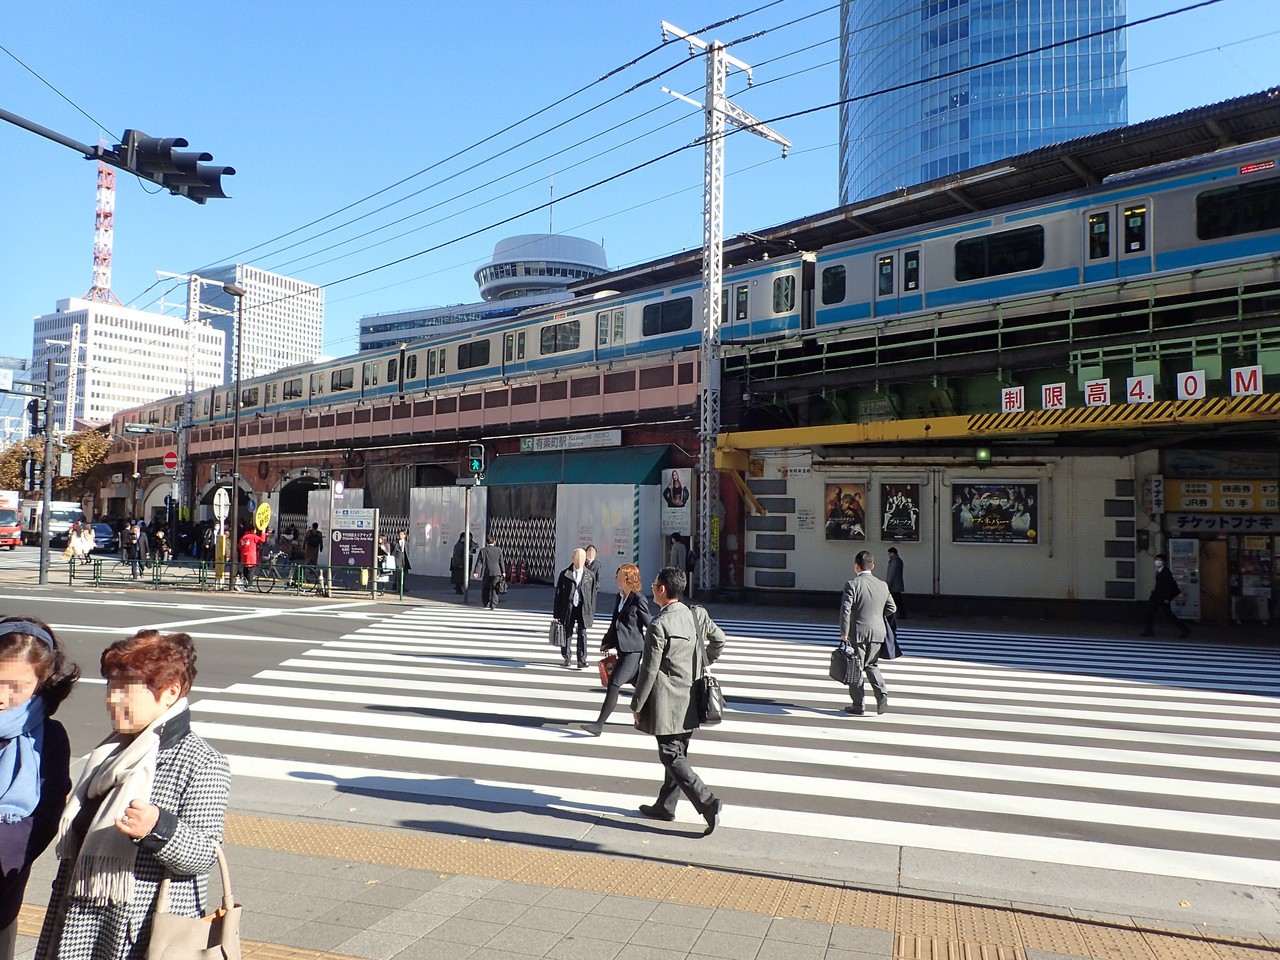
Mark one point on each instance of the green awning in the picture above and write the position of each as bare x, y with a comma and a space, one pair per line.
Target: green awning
619, 465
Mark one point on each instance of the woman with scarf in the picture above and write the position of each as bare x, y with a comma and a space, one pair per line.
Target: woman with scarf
35, 677
151, 801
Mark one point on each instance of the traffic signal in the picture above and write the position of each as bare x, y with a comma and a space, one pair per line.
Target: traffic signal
31, 473
475, 459
37, 422
181, 172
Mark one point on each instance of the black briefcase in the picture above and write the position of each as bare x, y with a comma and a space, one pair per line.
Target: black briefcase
841, 664
555, 633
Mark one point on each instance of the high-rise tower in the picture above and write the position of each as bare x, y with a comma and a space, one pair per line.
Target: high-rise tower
104, 227
976, 110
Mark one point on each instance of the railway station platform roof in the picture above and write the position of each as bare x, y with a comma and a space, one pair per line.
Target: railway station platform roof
1045, 172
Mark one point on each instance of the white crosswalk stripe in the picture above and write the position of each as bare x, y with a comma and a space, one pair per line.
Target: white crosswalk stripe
1137, 755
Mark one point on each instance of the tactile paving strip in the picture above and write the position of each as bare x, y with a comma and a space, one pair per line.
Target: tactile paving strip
924, 929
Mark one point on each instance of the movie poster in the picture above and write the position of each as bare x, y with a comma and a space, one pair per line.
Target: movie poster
676, 512
846, 511
899, 512
983, 512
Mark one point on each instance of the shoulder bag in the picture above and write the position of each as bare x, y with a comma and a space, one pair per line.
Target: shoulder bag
215, 937
706, 689
500, 585
841, 663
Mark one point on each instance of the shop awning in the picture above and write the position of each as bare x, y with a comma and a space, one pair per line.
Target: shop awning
626, 465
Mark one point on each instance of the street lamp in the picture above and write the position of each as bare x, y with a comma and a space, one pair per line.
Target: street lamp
238, 292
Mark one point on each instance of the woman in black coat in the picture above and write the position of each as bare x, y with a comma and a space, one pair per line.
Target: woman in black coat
631, 618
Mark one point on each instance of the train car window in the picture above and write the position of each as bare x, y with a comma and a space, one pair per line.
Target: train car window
443, 353
602, 329
724, 303
1099, 235
293, 389
204, 407
742, 296
342, 379
911, 270
619, 326
784, 294
833, 284
249, 398
473, 354
431, 363
153, 416
520, 345
370, 374
392, 369
1135, 229
411, 367
317, 384
996, 254
1247, 208
217, 403
559, 337
667, 317
271, 392
884, 276
509, 347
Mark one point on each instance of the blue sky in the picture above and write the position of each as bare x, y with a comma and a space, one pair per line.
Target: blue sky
318, 104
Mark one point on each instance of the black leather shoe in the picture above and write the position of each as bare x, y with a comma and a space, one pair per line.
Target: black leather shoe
582, 664
855, 711
595, 729
882, 705
712, 816
656, 813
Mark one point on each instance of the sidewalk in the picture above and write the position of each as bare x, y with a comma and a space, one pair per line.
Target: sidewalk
313, 889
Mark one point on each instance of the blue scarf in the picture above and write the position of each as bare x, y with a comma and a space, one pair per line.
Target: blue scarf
22, 730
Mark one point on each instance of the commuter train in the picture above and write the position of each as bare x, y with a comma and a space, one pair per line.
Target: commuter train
1175, 219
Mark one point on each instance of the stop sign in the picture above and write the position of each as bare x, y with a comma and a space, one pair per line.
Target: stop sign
171, 460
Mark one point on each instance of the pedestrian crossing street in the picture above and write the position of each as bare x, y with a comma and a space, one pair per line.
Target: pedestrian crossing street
1144, 755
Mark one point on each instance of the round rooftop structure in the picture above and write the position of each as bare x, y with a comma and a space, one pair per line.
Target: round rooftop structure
536, 263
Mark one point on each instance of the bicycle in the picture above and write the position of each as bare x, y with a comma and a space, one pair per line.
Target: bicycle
274, 568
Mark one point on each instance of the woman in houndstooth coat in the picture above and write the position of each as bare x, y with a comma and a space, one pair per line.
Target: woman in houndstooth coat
152, 799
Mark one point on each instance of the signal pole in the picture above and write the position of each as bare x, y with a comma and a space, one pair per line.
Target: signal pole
718, 109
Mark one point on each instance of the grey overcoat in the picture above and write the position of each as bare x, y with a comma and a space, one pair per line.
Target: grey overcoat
670, 663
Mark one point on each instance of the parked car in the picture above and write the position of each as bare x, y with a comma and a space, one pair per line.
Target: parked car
105, 540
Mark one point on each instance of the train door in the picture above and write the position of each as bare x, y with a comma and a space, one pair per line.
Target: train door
1117, 241
735, 308
897, 282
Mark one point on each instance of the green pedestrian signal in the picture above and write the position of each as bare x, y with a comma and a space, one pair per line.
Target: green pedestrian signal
475, 459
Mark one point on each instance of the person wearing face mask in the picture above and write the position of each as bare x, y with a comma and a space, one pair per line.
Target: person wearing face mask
1162, 596
152, 799
35, 677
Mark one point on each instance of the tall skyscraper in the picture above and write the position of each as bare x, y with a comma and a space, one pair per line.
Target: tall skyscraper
126, 357
974, 111
283, 319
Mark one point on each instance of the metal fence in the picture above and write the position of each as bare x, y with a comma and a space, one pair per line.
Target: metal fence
277, 574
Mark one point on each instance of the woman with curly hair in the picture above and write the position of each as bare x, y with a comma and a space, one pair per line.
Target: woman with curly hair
151, 800
35, 677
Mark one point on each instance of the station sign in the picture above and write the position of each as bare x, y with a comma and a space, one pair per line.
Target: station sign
1222, 496
591, 439
353, 537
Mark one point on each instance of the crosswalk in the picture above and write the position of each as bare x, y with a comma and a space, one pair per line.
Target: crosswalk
1143, 755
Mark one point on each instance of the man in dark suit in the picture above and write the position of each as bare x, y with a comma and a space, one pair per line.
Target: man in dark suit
575, 604
864, 607
592, 563
893, 579
139, 551
664, 703
489, 569
1162, 596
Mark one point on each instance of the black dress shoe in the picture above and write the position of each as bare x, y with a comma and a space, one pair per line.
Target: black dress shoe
582, 664
712, 816
565, 663
855, 711
656, 813
595, 729
882, 705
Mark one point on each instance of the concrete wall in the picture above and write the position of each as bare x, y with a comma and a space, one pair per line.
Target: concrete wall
1087, 516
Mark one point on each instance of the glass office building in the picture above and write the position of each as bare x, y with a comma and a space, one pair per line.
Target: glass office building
969, 110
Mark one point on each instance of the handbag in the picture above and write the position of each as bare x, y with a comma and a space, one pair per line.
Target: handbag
710, 700
555, 633
215, 937
606, 668
500, 586
841, 663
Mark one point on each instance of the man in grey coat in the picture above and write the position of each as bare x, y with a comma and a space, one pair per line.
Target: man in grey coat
863, 608
897, 586
664, 704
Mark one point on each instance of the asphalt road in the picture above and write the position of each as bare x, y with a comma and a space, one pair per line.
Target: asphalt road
236, 636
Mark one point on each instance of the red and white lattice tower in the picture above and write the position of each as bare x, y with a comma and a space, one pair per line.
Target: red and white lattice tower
103, 228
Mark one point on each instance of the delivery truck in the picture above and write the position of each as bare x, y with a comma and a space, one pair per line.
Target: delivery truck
63, 513
10, 521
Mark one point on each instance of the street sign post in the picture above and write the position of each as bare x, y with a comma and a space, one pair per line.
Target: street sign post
221, 504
